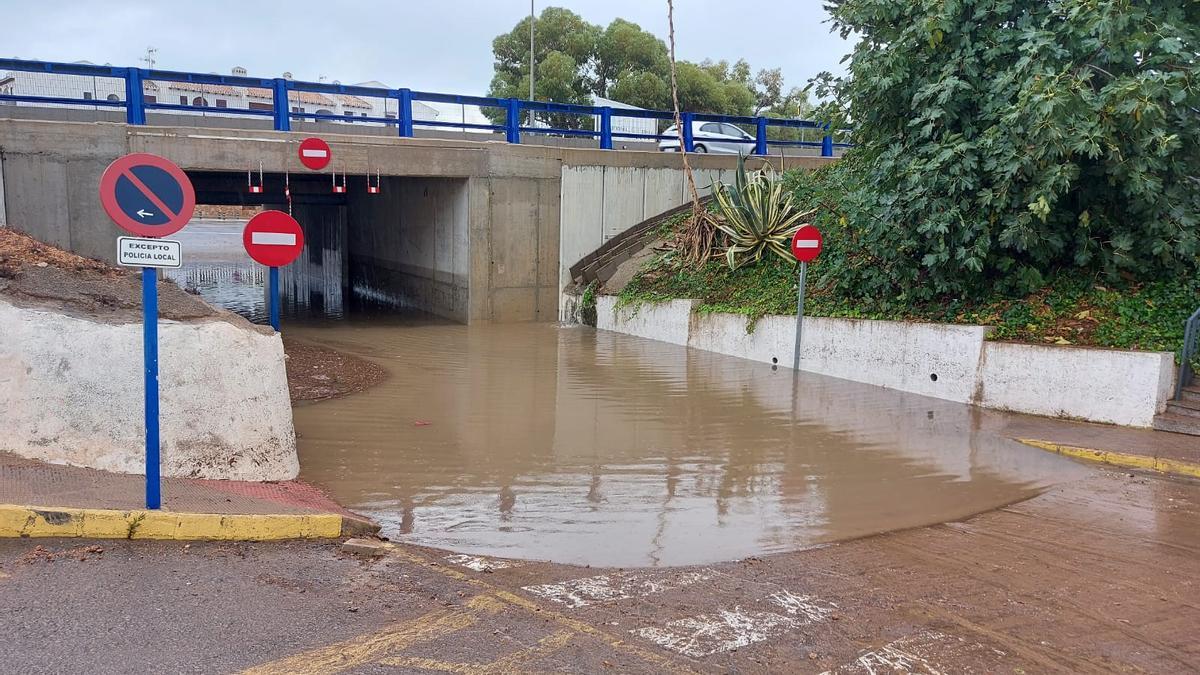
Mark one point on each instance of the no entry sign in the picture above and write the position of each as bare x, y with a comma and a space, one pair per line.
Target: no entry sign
806, 243
147, 195
315, 153
273, 238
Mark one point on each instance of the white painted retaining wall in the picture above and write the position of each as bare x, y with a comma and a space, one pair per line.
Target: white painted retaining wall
71, 393
949, 362
1118, 387
667, 322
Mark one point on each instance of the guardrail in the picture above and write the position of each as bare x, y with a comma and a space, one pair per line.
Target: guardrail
1191, 351
135, 104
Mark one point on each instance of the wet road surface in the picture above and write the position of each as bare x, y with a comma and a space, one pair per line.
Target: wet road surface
1098, 575
577, 446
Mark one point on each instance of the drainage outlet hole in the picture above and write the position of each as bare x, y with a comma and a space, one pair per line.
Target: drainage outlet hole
933, 376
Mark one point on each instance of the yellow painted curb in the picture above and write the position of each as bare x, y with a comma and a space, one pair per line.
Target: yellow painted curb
1121, 459
37, 521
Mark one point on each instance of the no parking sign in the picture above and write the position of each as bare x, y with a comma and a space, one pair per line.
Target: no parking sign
151, 197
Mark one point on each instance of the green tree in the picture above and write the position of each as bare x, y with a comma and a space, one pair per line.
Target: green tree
1003, 140
565, 47
576, 60
625, 51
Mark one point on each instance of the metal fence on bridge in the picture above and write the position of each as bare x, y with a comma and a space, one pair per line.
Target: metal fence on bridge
138, 91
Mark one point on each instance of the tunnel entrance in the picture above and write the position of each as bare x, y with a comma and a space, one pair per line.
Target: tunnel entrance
401, 246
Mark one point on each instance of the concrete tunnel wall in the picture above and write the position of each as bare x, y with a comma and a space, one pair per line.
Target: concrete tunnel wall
528, 210
415, 251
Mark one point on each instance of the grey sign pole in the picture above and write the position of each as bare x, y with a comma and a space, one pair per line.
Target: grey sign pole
799, 314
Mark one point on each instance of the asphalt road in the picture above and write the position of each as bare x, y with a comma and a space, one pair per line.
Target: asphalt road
1095, 576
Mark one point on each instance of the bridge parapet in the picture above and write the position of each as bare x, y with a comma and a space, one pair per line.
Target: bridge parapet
139, 92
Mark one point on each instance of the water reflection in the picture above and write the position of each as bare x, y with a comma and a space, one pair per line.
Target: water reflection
217, 268
567, 444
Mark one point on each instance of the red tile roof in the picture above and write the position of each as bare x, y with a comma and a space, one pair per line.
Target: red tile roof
204, 88
310, 97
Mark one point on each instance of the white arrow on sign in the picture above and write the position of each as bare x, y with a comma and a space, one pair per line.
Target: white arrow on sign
142, 213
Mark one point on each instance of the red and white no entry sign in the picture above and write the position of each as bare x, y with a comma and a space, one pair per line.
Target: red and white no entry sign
806, 243
315, 153
273, 238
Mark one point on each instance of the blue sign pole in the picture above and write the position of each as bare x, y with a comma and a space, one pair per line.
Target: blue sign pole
274, 293
150, 354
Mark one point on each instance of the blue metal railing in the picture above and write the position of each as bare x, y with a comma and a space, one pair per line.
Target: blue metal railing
135, 106
1191, 351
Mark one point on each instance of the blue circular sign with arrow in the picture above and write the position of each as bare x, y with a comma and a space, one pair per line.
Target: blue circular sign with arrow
147, 195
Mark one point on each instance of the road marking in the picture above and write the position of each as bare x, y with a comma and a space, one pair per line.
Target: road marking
808, 607
662, 664
363, 650
914, 655
510, 663
384, 644
706, 634
1121, 459
620, 586
273, 238
479, 563
727, 630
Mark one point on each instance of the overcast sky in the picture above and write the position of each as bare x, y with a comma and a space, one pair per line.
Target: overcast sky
432, 45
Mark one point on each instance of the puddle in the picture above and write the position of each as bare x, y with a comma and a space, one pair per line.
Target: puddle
567, 444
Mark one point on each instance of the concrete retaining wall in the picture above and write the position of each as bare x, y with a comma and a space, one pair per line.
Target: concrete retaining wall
1101, 385
600, 202
949, 362
71, 393
668, 322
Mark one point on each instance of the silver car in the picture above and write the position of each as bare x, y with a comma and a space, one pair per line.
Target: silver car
718, 138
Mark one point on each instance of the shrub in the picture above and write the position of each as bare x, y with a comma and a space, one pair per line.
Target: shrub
757, 214
1000, 142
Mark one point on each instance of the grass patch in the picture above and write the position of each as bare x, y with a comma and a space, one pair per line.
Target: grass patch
1070, 309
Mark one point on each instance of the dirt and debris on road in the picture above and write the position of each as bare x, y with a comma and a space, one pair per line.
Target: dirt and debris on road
35, 274
316, 373
1098, 575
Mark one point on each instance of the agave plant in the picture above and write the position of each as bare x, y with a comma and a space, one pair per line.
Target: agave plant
757, 215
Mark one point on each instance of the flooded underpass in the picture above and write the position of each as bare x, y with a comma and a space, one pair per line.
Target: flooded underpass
572, 445
567, 444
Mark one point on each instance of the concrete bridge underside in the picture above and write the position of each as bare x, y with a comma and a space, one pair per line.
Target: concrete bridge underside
472, 231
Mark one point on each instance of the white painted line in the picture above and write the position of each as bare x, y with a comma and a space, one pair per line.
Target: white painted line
808, 608
621, 586
479, 563
273, 238
314, 152
806, 243
724, 631
923, 654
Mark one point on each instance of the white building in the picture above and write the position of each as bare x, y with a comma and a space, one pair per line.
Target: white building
625, 125
55, 85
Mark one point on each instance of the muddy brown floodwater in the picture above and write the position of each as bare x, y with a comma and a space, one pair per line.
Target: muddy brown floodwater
572, 445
